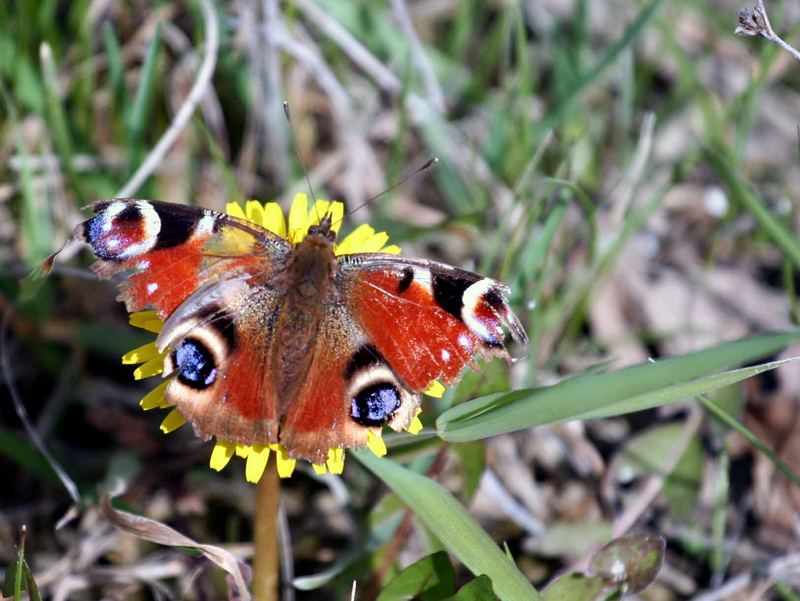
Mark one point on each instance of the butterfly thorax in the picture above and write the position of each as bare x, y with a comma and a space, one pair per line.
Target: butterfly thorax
309, 284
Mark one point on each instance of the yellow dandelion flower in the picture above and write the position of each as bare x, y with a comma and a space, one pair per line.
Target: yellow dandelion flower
149, 361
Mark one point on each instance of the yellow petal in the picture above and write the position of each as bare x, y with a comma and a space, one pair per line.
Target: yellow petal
155, 398
256, 462
322, 208
221, 455
435, 389
149, 369
319, 468
374, 244
146, 320
354, 240
336, 211
298, 222
138, 316
243, 450
254, 211
274, 220
286, 464
141, 354
376, 444
317, 212
172, 422
234, 210
335, 461
415, 427
392, 249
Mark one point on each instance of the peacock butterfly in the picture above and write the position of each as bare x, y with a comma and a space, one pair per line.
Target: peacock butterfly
271, 340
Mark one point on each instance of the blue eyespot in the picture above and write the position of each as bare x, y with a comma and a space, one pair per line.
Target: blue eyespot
375, 405
194, 364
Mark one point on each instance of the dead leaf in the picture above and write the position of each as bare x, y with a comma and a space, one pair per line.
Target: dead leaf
156, 532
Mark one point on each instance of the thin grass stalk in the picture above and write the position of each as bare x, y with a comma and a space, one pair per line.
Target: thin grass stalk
730, 421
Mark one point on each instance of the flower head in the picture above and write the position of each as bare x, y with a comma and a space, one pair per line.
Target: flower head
150, 362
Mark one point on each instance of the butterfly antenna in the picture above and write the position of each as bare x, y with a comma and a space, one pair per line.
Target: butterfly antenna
428, 164
288, 115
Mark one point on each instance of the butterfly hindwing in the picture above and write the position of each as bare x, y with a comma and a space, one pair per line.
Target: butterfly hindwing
349, 389
217, 344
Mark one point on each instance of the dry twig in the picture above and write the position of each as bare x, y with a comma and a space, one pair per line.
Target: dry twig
432, 87
785, 569
22, 413
645, 497
187, 109
756, 22
271, 84
469, 162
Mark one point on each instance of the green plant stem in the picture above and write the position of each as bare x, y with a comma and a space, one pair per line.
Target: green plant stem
734, 424
743, 193
266, 560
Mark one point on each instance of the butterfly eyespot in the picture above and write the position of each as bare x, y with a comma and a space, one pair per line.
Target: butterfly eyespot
194, 364
122, 230
375, 404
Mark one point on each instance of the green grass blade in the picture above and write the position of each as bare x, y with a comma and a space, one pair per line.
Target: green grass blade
432, 577
566, 104
233, 192
116, 73
19, 575
18, 450
452, 524
676, 392
35, 221
744, 195
30, 584
19, 568
600, 395
754, 440
138, 119
57, 120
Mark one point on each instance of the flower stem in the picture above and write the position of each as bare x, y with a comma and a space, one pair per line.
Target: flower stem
266, 561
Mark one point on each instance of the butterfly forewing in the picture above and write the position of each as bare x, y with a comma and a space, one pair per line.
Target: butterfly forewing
173, 250
428, 319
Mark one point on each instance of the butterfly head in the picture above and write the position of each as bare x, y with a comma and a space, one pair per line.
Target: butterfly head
323, 231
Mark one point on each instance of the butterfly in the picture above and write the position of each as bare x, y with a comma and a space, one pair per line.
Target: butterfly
270, 340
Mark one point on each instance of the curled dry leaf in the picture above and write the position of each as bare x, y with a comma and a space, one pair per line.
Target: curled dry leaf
156, 532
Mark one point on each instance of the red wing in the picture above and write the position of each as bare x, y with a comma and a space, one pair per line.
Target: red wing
350, 388
219, 343
429, 320
203, 272
173, 250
